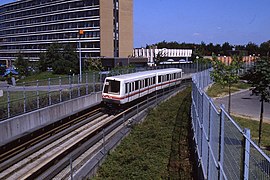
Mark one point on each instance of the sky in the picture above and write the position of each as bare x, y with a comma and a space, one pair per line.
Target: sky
193, 21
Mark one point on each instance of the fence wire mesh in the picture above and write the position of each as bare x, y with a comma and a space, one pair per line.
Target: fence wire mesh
225, 151
29, 96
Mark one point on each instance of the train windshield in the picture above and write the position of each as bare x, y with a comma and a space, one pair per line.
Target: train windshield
112, 86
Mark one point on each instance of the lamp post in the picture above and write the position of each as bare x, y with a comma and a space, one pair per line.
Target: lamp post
197, 60
81, 32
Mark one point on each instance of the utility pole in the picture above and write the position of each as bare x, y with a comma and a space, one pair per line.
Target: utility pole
81, 32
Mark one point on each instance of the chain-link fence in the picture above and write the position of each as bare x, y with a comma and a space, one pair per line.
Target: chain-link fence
30, 96
225, 151
26, 97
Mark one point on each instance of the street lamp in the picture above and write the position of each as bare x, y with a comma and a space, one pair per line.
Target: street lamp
81, 32
197, 59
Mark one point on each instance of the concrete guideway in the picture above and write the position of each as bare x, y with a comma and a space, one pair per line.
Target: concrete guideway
245, 105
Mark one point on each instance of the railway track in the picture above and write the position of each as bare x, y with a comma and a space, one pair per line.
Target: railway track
21, 144
69, 145
32, 165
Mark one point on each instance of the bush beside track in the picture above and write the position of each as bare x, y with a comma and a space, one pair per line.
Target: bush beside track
158, 148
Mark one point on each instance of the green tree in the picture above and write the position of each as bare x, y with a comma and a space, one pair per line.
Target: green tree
252, 48
52, 54
94, 64
227, 75
22, 65
159, 57
67, 62
264, 48
42, 63
260, 80
62, 59
225, 47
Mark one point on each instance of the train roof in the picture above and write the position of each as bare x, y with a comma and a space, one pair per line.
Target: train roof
144, 74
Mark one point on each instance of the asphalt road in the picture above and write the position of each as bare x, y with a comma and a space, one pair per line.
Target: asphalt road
244, 104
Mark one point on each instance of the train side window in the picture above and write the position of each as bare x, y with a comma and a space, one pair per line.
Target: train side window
154, 80
159, 79
136, 85
133, 86
141, 84
146, 82
126, 86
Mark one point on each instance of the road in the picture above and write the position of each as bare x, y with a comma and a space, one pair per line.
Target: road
244, 104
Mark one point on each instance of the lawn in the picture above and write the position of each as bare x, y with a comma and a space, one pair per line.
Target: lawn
217, 90
254, 128
158, 148
43, 76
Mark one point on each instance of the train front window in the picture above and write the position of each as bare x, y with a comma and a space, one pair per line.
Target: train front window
112, 86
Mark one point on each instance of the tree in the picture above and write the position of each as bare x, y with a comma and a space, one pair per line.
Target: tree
158, 57
227, 75
94, 64
62, 59
260, 80
264, 48
69, 59
226, 47
42, 63
22, 65
252, 48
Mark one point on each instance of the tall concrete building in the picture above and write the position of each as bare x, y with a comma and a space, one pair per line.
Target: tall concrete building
29, 26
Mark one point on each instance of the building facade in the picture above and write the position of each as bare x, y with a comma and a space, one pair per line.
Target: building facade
165, 54
29, 26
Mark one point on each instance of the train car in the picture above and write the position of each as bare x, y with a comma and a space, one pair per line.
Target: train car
126, 88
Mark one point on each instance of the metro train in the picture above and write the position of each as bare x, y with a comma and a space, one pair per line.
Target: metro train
122, 89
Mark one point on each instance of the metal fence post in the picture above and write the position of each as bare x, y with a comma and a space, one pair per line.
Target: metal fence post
78, 87
60, 85
71, 168
37, 93
94, 82
70, 87
208, 139
8, 100
246, 147
221, 142
103, 142
49, 86
86, 80
100, 81
202, 122
24, 98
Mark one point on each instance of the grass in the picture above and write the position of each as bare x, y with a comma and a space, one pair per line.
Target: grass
217, 90
152, 150
254, 128
40, 76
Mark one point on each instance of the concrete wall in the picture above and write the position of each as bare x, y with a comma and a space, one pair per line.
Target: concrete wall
15, 127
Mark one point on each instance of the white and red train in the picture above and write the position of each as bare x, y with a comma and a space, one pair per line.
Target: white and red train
125, 88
